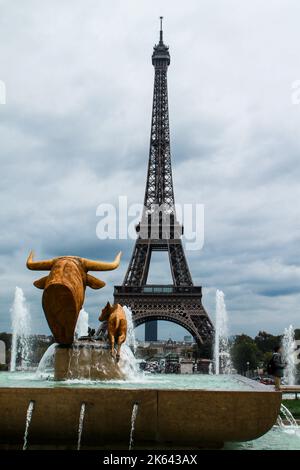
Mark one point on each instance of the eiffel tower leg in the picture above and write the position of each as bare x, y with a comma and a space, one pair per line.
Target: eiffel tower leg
138, 268
179, 267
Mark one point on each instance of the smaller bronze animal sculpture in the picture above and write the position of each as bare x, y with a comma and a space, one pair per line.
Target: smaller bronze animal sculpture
64, 290
115, 317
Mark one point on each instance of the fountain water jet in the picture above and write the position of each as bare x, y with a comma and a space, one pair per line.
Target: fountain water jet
28, 421
128, 363
82, 327
47, 361
130, 338
21, 342
80, 424
279, 421
288, 416
134, 413
222, 358
288, 346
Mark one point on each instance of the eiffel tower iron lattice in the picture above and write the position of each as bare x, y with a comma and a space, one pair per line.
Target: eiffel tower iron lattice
159, 230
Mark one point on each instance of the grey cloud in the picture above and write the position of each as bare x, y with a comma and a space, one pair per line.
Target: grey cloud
75, 133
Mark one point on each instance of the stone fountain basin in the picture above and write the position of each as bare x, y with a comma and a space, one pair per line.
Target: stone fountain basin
166, 417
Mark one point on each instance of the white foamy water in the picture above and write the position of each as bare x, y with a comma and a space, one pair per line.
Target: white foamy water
46, 364
134, 413
288, 417
222, 358
130, 337
21, 329
82, 327
289, 346
80, 425
128, 362
27, 424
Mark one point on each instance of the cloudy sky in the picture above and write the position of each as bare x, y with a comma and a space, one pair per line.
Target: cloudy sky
74, 133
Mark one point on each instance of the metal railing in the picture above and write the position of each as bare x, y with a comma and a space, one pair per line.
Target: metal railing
157, 289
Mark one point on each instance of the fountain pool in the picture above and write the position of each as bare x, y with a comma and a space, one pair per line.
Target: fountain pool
139, 381
276, 439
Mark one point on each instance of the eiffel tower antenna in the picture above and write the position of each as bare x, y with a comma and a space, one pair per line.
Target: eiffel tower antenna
161, 30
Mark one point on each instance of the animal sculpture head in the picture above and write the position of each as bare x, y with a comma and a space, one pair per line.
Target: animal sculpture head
106, 311
64, 290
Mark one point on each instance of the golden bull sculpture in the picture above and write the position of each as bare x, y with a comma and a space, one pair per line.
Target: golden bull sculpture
64, 290
115, 317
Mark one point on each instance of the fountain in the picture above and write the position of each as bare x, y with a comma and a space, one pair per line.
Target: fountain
28, 421
80, 424
135, 409
289, 347
130, 338
288, 417
197, 410
222, 358
82, 327
21, 324
47, 362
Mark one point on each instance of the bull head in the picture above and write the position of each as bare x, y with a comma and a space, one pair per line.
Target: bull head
105, 312
64, 290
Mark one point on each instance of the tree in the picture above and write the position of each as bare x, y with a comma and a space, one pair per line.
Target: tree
266, 342
205, 351
297, 333
298, 374
245, 354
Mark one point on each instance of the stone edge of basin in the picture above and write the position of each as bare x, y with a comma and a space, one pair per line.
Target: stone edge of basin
180, 416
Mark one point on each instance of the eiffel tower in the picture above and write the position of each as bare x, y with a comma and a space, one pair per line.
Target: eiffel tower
159, 230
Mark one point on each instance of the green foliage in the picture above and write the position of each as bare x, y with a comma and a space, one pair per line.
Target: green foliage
257, 351
239, 339
266, 342
298, 374
245, 354
293, 406
205, 351
266, 357
297, 333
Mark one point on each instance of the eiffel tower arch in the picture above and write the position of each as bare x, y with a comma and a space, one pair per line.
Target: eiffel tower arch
159, 230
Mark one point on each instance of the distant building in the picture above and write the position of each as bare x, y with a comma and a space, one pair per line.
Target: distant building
2, 352
151, 331
186, 366
188, 339
147, 350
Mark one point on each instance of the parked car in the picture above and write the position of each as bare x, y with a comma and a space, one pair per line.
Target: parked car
267, 380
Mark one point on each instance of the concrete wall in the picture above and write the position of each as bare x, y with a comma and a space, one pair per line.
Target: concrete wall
186, 367
165, 417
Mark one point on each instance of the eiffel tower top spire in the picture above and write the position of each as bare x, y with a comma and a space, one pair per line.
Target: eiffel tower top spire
161, 31
159, 186
161, 56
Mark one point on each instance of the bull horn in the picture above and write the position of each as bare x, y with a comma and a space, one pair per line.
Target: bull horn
38, 265
91, 265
